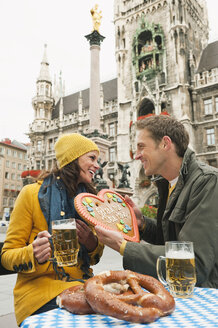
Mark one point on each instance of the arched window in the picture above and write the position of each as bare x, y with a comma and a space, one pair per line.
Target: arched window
41, 89
47, 91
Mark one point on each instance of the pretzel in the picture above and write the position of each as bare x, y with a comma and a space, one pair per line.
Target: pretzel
73, 299
139, 306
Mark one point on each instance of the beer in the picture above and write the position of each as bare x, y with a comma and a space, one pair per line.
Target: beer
180, 273
180, 268
66, 245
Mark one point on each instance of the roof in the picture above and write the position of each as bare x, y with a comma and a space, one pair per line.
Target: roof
209, 57
14, 144
71, 102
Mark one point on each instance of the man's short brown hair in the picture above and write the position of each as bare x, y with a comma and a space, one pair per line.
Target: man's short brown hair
164, 125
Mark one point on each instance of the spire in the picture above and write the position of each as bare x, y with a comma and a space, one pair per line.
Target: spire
44, 74
60, 88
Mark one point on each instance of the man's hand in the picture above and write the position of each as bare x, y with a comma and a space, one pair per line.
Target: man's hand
136, 210
86, 236
42, 247
112, 239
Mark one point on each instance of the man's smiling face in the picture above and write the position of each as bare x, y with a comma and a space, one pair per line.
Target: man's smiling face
150, 153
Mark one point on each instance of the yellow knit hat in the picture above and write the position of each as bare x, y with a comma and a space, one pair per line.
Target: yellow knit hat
71, 146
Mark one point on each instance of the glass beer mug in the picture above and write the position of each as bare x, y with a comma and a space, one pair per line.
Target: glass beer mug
180, 268
65, 242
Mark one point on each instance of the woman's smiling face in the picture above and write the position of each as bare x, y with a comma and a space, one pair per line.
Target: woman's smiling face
88, 165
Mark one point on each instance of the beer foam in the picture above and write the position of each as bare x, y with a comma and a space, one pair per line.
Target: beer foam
180, 255
63, 226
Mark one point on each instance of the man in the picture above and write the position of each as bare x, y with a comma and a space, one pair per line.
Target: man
188, 209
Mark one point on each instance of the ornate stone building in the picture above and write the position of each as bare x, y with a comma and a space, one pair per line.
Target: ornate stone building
13, 161
56, 114
205, 105
158, 49
161, 49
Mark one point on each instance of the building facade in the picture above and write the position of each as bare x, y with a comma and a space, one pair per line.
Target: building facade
158, 49
13, 161
205, 106
161, 48
68, 114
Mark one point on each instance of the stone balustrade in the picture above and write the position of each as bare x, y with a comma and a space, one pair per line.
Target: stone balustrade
73, 118
206, 78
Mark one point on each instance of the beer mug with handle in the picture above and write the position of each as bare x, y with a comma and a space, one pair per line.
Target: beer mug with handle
65, 242
180, 268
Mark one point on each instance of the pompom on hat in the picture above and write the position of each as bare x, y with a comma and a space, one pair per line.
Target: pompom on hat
71, 146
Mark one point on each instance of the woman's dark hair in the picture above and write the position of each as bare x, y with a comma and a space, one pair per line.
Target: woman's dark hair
69, 174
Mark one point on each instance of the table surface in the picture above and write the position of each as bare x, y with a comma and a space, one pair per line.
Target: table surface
199, 311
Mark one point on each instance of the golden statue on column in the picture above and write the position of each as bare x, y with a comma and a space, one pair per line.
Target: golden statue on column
96, 18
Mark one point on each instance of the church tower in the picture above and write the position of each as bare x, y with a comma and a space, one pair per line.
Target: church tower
42, 104
43, 101
158, 48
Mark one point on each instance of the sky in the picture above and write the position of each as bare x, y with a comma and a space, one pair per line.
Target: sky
26, 25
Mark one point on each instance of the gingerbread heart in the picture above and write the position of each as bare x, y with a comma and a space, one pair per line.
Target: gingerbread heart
110, 210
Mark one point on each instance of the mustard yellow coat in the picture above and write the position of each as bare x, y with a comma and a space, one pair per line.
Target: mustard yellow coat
36, 283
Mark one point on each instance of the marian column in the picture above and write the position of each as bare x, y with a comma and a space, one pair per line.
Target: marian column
95, 132
95, 39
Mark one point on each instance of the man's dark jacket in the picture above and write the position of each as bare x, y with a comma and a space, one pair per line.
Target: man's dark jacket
190, 214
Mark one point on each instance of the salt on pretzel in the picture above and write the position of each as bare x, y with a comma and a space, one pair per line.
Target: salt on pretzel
73, 299
140, 306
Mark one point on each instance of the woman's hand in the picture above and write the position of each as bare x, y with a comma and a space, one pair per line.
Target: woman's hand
137, 212
42, 247
85, 236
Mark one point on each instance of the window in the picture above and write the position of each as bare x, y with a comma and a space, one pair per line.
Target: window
216, 104
13, 165
112, 154
11, 201
210, 137
20, 155
18, 177
50, 143
6, 186
19, 166
5, 201
6, 175
47, 90
14, 153
112, 129
212, 162
41, 112
12, 187
38, 165
8, 151
39, 144
41, 89
13, 176
7, 164
49, 164
208, 106
2, 150
24, 167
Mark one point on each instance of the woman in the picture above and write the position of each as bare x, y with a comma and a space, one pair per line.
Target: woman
27, 247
